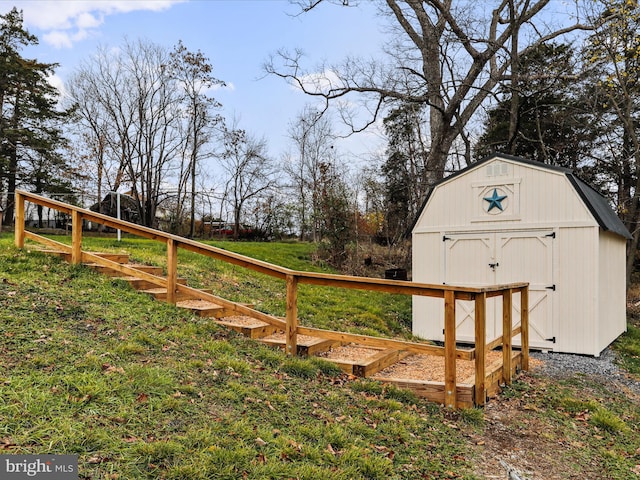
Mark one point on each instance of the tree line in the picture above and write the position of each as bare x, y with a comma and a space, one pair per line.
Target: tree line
553, 83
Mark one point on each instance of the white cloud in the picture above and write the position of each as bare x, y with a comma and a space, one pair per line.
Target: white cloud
58, 39
319, 82
68, 21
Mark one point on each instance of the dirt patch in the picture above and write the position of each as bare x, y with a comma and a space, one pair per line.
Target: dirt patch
520, 441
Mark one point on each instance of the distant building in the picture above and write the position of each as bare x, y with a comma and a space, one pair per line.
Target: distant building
109, 206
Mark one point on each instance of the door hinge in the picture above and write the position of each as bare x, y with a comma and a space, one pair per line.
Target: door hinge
552, 235
552, 287
552, 339
445, 238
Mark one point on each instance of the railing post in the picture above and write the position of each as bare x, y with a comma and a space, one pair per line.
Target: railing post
291, 331
507, 329
481, 342
76, 237
450, 349
19, 224
524, 326
172, 270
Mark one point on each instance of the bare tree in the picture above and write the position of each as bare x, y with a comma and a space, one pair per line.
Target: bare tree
129, 100
312, 138
193, 71
447, 55
249, 171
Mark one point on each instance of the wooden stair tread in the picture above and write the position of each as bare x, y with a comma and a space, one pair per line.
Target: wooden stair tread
247, 326
303, 340
197, 304
116, 257
307, 345
142, 268
363, 361
242, 320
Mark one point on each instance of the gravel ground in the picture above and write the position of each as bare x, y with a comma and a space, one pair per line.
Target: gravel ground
602, 368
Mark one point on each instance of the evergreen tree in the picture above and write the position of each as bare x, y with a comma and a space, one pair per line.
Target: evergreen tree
405, 169
551, 125
29, 121
612, 55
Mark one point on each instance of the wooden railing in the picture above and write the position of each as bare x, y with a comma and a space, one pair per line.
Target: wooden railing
293, 278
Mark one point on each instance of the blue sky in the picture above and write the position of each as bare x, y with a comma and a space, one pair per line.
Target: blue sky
237, 35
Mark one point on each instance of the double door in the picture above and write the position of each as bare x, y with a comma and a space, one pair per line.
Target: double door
493, 258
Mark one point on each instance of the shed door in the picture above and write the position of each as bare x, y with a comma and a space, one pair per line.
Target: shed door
504, 257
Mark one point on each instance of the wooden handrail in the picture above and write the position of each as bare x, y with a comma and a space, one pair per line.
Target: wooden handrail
449, 293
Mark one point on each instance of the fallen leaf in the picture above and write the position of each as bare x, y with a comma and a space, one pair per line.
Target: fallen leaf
97, 459
260, 442
142, 398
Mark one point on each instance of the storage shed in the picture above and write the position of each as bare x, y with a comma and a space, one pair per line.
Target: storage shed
506, 219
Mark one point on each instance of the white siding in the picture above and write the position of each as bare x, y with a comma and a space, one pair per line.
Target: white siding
612, 289
427, 267
575, 303
587, 309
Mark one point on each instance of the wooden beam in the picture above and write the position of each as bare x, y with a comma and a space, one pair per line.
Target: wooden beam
481, 338
47, 241
291, 331
172, 270
434, 391
450, 349
507, 340
76, 237
19, 223
498, 341
524, 326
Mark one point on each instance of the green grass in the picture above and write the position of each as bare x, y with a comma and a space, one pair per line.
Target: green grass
364, 312
139, 389
629, 347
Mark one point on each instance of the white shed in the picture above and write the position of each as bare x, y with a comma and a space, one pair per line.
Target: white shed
506, 219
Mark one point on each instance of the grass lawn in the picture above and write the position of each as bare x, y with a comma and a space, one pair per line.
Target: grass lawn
139, 389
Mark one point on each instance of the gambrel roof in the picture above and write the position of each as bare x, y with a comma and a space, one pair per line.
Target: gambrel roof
595, 202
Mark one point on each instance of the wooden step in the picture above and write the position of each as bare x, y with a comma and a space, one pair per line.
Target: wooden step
153, 270
142, 284
372, 361
306, 345
160, 293
114, 257
247, 326
202, 308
